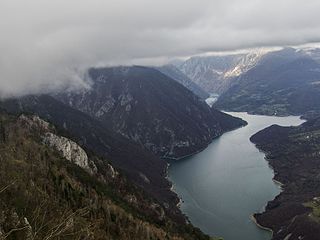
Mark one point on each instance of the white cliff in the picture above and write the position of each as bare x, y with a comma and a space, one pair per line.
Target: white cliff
70, 151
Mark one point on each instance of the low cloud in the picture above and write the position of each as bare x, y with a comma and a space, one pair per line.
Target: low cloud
48, 45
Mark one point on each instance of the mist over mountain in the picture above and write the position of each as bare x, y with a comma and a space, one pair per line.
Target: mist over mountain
151, 109
283, 82
103, 102
53, 43
217, 73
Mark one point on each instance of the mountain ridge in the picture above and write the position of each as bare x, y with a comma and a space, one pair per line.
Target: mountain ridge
58, 198
293, 153
283, 83
151, 109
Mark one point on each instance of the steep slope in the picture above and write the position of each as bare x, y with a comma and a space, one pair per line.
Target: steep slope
151, 109
141, 167
283, 82
314, 53
174, 73
217, 73
208, 72
294, 154
50, 188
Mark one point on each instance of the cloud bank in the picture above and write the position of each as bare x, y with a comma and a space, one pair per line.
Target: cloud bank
47, 45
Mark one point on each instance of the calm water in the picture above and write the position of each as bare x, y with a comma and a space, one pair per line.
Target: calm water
225, 184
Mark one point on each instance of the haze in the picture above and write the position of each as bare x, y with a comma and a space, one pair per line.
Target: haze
48, 45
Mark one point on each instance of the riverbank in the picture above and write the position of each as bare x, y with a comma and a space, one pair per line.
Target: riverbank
203, 148
260, 226
294, 155
228, 181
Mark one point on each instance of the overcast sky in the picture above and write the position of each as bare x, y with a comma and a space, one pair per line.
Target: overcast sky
47, 44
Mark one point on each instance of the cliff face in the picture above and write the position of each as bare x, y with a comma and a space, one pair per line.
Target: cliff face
69, 150
151, 109
216, 74
50, 188
294, 154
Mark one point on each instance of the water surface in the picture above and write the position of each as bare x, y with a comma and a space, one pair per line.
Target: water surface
222, 186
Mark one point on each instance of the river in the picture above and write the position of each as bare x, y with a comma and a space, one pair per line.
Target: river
222, 186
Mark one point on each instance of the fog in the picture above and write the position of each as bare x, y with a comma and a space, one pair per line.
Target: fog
48, 45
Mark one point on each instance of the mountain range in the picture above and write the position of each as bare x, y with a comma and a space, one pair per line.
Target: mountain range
216, 73
283, 82
97, 157
106, 143
149, 108
270, 82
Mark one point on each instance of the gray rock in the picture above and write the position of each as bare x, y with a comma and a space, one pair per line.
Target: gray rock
70, 151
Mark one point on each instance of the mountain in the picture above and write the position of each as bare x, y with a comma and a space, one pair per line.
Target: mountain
294, 154
51, 188
217, 73
150, 109
174, 73
313, 52
140, 166
283, 82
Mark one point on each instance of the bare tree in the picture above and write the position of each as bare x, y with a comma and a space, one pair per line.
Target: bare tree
7, 186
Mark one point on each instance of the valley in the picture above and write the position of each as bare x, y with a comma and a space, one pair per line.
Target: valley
138, 119
131, 121
222, 186
159, 120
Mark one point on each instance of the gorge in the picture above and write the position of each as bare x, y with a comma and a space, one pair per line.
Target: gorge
229, 181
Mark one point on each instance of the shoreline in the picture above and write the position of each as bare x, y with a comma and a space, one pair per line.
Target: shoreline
172, 188
261, 114
188, 155
276, 182
203, 148
260, 226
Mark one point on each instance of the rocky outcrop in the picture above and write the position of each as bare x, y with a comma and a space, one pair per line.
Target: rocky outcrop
96, 137
43, 196
35, 122
70, 151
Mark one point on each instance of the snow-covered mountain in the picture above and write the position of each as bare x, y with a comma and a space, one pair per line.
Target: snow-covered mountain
313, 52
245, 63
284, 82
217, 73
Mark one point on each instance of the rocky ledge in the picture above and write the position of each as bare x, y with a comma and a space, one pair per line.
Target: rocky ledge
69, 149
